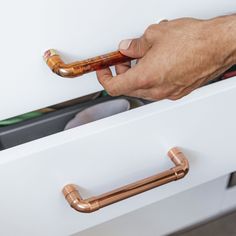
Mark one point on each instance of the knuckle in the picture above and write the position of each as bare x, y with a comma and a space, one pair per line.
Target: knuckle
157, 95
144, 82
112, 92
150, 28
109, 89
141, 82
149, 32
175, 97
104, 85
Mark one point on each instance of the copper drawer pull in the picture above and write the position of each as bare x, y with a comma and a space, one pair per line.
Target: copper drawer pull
56, 64
71, 191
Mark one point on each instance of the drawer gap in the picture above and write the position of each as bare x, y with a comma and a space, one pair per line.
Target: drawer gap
51, 120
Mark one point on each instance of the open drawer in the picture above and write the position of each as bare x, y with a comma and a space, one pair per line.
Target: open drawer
113, 152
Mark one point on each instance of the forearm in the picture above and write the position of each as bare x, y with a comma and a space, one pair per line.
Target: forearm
224, 29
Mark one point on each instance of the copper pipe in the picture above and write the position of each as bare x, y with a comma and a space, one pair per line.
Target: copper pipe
71, 191
56, 64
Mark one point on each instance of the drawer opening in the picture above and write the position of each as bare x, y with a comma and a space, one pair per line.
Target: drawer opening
57, 118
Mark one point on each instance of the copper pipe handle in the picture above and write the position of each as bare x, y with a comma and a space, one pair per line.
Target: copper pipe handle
78, 68
73, 197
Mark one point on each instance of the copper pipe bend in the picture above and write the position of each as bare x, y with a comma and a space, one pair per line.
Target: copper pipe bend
78, 68
181, 168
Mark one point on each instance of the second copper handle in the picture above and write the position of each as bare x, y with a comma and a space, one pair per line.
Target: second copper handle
78, 68
73, 197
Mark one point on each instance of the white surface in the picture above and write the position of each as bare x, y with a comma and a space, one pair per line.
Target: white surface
167, 216
112, 152
78, 29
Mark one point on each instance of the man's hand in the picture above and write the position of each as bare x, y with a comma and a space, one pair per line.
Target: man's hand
174, 58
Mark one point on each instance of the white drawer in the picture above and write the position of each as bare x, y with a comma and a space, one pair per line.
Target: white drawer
78, 29
111, 153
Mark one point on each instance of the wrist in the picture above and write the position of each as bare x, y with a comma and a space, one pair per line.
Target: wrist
224, 34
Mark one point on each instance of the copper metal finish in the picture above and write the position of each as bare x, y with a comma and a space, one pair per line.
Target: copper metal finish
71, 191
56, 64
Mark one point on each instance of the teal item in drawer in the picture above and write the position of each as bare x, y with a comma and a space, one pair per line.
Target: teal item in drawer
17, 119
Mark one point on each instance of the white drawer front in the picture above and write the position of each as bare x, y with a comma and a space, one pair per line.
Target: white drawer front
78, 29
111, 153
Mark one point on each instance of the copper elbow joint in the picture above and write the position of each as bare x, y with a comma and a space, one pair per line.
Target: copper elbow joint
73, 197
181, 163
71, 70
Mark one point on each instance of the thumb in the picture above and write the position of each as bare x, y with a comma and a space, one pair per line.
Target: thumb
135, 48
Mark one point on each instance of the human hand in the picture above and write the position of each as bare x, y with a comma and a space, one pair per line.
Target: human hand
174, 58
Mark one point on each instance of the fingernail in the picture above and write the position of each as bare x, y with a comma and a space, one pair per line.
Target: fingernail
124, 44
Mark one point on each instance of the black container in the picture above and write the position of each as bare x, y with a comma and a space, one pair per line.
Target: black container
42, 126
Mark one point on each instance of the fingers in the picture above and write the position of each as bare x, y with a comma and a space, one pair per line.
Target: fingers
120, 84
135, 48
122, 68
126, 79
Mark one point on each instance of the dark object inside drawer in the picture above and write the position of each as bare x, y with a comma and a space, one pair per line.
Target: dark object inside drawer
232, 180
42, 126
